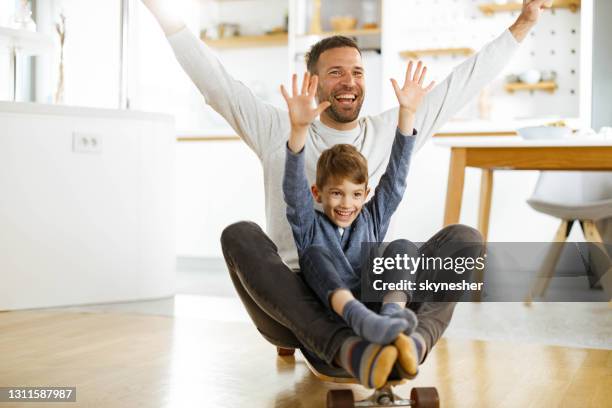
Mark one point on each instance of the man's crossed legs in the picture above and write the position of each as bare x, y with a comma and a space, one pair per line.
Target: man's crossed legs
289, 314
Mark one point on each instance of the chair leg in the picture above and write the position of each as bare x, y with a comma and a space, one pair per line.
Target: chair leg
542, 280
592, 235
591, 270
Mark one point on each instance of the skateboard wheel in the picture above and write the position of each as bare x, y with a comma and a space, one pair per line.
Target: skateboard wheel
283, 352
340, 399
425, 397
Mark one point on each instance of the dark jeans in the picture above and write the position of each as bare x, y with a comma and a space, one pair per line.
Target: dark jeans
289, 314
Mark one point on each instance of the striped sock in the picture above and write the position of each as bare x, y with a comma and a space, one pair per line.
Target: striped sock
370, 363
411, 350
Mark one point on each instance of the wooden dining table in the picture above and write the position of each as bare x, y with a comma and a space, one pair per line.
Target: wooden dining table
496, 152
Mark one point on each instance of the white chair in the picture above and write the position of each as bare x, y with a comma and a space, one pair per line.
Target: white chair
585, 197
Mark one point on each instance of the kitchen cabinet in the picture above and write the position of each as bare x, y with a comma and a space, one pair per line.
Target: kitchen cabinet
83, 222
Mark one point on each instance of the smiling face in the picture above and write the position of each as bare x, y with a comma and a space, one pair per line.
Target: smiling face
341, 199
342, 83
341, 183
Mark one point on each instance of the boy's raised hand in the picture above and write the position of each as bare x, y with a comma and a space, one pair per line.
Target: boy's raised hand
301, 109
411, 94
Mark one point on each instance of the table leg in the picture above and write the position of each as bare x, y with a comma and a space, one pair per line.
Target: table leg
454, 191
486, 192
484, 212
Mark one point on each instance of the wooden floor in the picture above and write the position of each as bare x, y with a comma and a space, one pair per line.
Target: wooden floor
118, 360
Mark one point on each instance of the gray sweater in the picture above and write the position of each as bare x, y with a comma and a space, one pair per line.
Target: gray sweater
313, 227
265, 128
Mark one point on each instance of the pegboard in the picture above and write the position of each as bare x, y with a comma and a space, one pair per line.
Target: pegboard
554, 44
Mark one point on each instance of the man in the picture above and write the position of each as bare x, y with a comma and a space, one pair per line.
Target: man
282, 307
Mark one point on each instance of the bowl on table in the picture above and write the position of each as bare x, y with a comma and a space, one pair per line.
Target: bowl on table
544, 132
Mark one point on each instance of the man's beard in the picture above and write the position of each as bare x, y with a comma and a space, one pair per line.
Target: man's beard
344, 117
336, 113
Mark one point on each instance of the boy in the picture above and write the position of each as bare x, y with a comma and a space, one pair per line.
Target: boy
329, 242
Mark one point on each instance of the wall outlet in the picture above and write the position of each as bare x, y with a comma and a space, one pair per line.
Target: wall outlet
86, 143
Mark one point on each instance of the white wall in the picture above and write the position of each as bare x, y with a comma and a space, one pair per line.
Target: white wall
84, 228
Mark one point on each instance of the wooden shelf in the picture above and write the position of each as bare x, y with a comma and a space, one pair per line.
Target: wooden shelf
492, 8
413, 54
548, 86
249, 41
348, 33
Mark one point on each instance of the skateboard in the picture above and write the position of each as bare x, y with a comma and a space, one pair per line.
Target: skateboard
420, 397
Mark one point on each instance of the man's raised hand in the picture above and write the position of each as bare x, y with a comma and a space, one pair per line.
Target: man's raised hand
530, 14
532, 9
412, 93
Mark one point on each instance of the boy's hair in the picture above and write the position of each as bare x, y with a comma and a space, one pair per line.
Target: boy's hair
336, 41
342, 161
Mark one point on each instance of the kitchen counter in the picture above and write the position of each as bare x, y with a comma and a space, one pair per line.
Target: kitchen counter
63, 110
454, 128
84, 222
